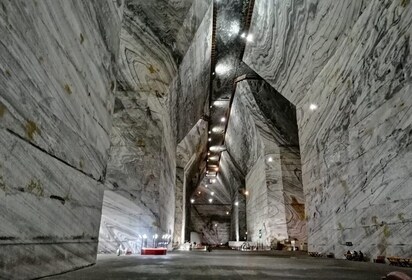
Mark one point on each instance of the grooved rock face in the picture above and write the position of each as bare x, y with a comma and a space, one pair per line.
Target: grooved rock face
346, 76
163, 85
57, 82
172, 22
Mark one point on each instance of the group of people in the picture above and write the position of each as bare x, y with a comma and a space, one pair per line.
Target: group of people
355, 256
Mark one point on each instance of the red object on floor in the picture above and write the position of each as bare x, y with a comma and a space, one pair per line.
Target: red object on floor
154, 251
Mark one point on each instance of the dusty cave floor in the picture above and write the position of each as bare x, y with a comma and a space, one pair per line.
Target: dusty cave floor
226, 264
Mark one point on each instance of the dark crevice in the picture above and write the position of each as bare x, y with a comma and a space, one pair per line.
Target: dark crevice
64, 272
101, 180
7, 238
61, 199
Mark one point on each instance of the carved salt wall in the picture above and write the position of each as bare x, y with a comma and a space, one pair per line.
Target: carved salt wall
265, 154
179, 208
290, 56
190, 153
293, 193
205, 215
248, 154
353, 60
211, 222
277, 227
256, 201
57, 61
162, 94
231, 180
131, 200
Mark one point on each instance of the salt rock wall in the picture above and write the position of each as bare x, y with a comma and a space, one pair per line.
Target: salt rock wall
293, 196
353, 60
205, 215
162, 94
293, 40
275, 119
257, 201
211, 222
131, 201
190, 153
180, 208
274, 203
57, 61
232, 179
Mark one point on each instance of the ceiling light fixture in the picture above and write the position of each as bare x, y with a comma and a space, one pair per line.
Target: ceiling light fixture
212, 193
219, 148
223, 119
192, 201
236, 203
215, 129
210, 139
270, 159
313, 107
221, 102
210, 200
234, 28
249, 38
221, 69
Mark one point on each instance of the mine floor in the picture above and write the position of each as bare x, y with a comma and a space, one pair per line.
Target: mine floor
226, 264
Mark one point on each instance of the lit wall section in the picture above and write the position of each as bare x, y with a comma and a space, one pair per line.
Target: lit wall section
349, 78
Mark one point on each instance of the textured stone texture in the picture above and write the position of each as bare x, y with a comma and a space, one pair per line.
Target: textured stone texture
63, 58
293, 193
57, 60
231, 179
356, 152
180, 208
190, 154
161, 97
277, 220
257, 201
57, 63
292, 43
131, 201
173, 22
274, 204
211, 222
49, 212
204, 215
